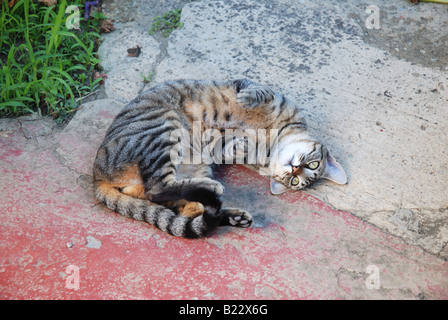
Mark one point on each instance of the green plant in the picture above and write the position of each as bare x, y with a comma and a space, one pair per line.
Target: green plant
44, 66
167, 23
147, 79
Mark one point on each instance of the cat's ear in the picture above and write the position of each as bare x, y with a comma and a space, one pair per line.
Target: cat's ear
334, 171
277, 187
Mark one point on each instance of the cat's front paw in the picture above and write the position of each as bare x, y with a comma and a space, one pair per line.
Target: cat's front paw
254, 97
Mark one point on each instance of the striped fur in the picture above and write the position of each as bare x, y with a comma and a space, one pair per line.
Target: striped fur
133, 171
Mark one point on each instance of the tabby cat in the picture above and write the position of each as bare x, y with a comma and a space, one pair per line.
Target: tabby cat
135, 175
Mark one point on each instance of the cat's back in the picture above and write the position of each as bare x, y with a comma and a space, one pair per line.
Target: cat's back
183, 100
168, 105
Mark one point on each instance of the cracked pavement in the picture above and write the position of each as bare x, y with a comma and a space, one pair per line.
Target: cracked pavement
381, 110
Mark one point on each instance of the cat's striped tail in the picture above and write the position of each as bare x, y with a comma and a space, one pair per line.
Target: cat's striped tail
162, 217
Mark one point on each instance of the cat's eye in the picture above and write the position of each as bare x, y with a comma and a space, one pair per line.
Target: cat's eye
313, 165
295, 181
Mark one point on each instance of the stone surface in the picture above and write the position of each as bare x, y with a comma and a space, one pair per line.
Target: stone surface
89, 125
125, 74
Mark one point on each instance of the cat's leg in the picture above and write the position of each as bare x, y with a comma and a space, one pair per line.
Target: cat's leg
231, 216
189, 208
162, 183
162, 186
236, 217
253, 95
189, 189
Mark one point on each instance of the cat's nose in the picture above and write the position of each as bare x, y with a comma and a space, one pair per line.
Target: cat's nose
296, 170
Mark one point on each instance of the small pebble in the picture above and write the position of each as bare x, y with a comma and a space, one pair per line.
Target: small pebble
93, 243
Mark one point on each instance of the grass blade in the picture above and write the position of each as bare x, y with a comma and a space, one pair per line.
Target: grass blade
57, 24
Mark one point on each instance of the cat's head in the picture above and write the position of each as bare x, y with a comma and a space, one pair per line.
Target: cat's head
300, 162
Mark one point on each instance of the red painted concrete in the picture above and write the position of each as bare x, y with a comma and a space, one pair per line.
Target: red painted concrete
299, 248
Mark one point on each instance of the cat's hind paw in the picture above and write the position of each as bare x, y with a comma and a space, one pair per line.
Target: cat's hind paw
236, 218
